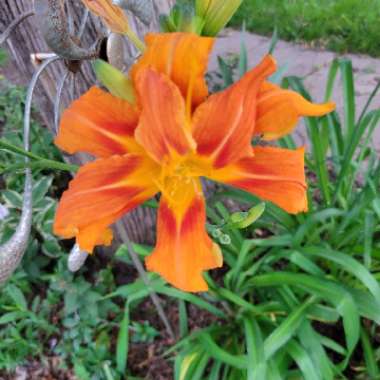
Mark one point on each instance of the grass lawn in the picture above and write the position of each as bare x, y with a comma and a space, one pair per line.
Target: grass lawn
340, 25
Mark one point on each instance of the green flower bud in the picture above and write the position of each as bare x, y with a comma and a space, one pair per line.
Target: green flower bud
225, 239
245, 219
114, 80
216, 233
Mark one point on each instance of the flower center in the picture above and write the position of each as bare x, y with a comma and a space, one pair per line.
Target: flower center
179, 180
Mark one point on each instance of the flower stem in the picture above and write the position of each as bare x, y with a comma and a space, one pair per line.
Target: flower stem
135, 40
141, 271
40, 162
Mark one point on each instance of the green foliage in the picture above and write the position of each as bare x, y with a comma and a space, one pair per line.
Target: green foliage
300, 302
3, 56
143, 332
45, 310
342, 25
182, 18
206, 18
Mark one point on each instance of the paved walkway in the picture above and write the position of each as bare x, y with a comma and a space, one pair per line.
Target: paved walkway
311, 64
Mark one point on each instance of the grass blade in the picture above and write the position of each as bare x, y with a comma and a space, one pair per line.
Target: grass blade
237, 361
369, 355
347, 75
287, 329
122, 346
303, 360
256, 362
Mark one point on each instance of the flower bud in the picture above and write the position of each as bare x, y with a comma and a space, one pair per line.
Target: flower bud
215, 14
117, 83
245, 219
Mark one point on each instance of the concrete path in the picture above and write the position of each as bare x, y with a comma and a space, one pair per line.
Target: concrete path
309, 63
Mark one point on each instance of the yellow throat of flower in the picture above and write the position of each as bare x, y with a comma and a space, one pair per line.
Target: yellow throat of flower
180, 179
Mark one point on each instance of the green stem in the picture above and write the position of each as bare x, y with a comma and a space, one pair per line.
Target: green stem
41, 162
135, 40
15, 149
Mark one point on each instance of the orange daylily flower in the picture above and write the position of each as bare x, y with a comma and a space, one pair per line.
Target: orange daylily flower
167, 141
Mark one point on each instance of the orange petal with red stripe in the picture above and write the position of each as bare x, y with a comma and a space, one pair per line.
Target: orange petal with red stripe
100, 124
223, 125
181, 56
101, 193
273, 174
113, 16
184, 250
162, 126
278, 111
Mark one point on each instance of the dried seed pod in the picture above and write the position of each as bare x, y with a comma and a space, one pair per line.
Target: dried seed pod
142, 9
53, 23
12, 252
76, 259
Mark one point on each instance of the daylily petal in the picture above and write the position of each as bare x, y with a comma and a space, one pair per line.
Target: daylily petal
273, 174
223, 124
184, 250
101, 193
113, 16
162, 125
181, 56
278, 111
100, 124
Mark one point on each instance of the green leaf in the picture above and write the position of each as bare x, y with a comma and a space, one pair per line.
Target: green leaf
184, 364
347, 76
303, 360
200, 367
40, 188
333, 71
369, 306
80, 370
215, 371
256, 363
329, 290
13, 316
349, 264
175, 293
287, 329
226, 72
12, 198
243, 56
17, 297
237, 361
311, 342
369, 355
183, 322
312, 219
239, 301
369, 230
376, 207
122, 346
273, 41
